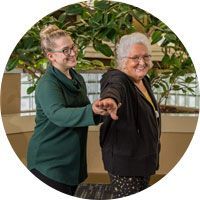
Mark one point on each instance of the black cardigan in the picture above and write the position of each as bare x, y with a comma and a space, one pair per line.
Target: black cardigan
130, 145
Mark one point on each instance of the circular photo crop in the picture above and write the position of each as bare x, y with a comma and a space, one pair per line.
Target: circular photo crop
106, 99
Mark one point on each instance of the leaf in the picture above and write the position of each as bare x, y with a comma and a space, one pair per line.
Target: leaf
166, 60
97, 63
96, 18
170, 37
71, 28
86, 15
163, 86
189, 79
128, 19
33, 49
30, 89
111, 35
164, 43
190, 90
156, 85
12, 63
28, 42
104, 49
102, 33
121, 14
187, 62
75, 9
166, 73
101, 5
175, 61
62, 17
172, 78
156, 37
183, 90
41, 62
176, 87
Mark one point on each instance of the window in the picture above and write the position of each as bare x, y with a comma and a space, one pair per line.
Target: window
177, 98
27, 101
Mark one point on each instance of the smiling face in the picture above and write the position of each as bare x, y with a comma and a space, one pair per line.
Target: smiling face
60, 59
137, 63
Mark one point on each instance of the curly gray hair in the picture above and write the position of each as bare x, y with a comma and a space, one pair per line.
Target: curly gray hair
125, 44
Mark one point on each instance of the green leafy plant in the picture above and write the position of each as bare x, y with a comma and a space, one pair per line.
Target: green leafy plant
100, 26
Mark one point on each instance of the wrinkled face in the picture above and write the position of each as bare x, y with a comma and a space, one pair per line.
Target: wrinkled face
63, 56
138, 62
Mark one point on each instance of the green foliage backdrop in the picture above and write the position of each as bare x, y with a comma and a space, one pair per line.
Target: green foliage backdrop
101, 25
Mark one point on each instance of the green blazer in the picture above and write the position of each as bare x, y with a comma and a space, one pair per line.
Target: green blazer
63, 113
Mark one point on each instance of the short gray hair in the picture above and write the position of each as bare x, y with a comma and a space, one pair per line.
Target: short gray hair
125, 44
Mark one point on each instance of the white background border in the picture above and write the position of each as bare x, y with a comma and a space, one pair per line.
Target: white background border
19, 16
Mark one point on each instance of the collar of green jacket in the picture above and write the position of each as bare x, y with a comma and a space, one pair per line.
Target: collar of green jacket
73, 84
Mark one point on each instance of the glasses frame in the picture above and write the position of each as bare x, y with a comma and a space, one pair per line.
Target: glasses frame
67, 50
136, 59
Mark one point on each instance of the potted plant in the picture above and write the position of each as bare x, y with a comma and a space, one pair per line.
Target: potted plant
100, 26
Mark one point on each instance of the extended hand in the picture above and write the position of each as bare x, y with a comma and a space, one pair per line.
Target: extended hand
98, 109
110, 106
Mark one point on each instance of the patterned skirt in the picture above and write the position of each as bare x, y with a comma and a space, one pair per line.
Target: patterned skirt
124, 186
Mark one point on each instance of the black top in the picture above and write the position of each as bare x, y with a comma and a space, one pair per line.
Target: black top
130, 145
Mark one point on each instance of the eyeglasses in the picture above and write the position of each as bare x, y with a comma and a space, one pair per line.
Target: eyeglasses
67, 50
136, 59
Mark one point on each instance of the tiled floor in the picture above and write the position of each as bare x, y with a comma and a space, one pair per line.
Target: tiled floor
94, 191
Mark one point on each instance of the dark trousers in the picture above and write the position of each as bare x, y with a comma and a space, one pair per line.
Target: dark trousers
67, 189
124, 186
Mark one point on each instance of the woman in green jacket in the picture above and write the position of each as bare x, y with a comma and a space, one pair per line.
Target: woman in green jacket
57, 149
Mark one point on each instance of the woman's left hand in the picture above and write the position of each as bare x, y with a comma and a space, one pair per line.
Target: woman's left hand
110, 106
97, 109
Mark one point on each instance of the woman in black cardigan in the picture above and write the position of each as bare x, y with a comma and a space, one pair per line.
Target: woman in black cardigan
130, 145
